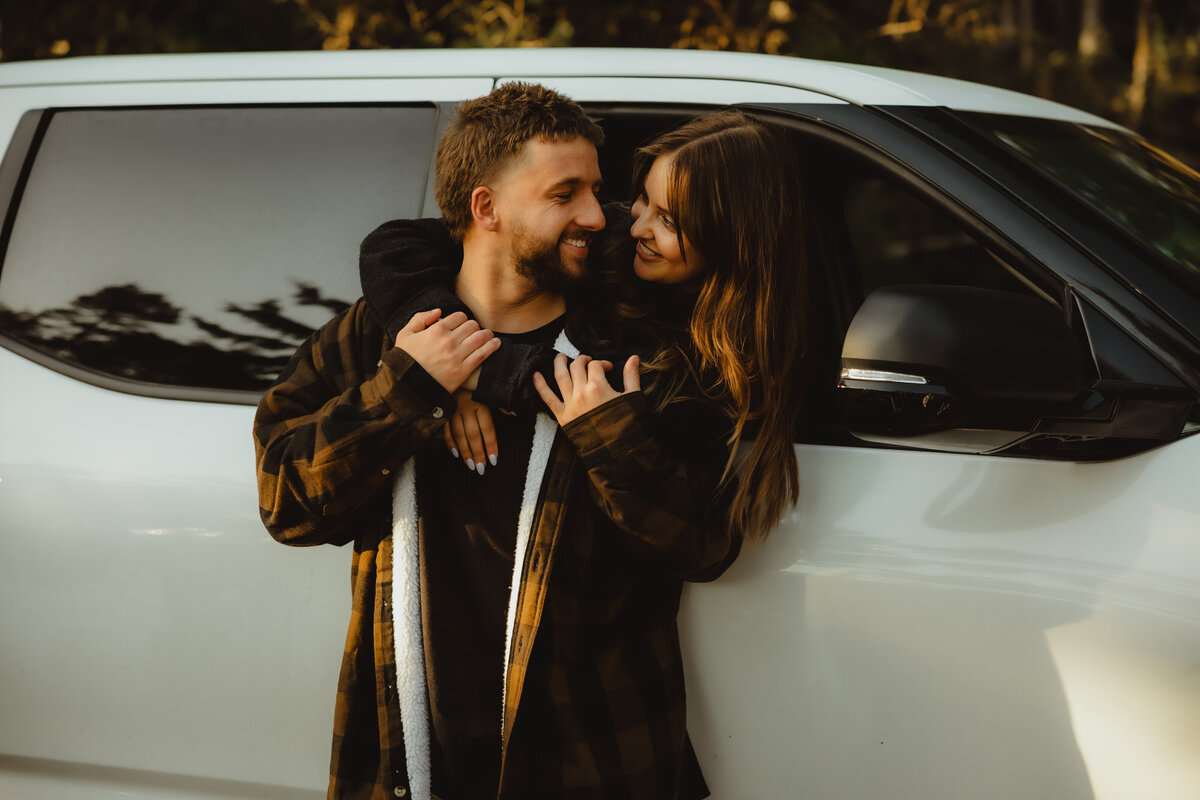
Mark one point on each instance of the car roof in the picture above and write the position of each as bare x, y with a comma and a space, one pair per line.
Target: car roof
852, 83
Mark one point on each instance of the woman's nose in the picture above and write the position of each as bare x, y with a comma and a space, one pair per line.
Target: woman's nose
639, 229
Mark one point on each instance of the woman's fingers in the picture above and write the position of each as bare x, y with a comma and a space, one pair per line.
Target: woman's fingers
546, 393
461, 441
579, 372
584, 385
470, 423
596, 372
471, 434
448, 436
632, 375
487, 433
562, 376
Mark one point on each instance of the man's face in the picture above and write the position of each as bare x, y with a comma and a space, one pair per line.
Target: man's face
549, 211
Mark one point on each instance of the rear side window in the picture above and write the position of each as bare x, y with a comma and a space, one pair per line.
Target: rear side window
197, 247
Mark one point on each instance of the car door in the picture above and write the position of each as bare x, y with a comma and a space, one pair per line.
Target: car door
928, 624
168, 246
951, 624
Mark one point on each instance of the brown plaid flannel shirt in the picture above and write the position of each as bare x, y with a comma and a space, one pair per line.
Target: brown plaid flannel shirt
595, 695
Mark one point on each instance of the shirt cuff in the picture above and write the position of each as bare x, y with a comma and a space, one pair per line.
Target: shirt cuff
409, 389
611, 430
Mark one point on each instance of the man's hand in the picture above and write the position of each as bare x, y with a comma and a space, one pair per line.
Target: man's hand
448, 349
583, 386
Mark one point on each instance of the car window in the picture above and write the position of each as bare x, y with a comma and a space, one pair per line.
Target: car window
1139, 188
197, 247
869, 228
898, 238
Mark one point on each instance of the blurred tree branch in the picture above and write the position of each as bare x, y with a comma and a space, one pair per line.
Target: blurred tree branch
1138, 62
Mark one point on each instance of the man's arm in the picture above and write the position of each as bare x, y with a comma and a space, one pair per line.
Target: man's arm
345, 414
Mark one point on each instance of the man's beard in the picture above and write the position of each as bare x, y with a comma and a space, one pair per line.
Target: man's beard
542, 264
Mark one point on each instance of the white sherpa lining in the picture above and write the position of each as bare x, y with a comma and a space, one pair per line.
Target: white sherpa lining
406, 594
406, 631
544, 429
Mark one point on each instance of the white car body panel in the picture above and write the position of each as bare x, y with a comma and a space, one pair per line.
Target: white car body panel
853, 83
947, 625
901, 573
148, 623
676, 90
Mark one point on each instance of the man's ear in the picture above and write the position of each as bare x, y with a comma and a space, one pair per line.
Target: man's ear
483, 208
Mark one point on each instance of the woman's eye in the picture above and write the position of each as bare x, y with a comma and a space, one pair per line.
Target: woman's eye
670, 223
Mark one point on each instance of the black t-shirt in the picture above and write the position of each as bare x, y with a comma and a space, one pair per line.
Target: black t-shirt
467, 552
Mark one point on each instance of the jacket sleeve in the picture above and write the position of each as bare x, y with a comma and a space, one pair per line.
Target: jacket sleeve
658, 478
341, 419
406, 266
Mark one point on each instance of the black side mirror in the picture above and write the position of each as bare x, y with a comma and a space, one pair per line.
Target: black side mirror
958, 368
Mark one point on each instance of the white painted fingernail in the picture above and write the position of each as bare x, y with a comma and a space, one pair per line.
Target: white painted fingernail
492, 458
470, 464
454, 452
479, 467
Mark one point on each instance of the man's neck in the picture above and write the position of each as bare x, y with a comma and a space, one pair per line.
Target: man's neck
503, 301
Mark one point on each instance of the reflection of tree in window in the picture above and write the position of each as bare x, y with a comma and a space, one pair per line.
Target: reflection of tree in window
132, 333
899, 239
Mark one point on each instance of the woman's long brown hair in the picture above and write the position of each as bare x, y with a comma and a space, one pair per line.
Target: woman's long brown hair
735, 190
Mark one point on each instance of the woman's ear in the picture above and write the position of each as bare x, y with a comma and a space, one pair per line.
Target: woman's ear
483, 208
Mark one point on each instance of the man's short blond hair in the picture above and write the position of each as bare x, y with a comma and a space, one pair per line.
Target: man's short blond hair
487, 133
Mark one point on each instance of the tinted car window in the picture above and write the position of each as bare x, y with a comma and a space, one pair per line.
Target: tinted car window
898, 238
1142, 189
197, 247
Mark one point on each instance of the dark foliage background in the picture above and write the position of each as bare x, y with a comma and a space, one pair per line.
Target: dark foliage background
1135, 61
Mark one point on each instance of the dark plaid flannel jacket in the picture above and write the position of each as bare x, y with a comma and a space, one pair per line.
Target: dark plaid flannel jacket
595, 654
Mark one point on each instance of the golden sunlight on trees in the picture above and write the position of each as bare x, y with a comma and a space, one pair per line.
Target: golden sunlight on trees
1136, 61
455, 23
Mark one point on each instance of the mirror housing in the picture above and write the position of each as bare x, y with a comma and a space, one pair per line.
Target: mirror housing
958, 369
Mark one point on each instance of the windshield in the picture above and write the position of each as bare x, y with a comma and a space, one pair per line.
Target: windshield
1147, 192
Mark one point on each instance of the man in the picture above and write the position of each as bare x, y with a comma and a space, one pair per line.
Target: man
512, 637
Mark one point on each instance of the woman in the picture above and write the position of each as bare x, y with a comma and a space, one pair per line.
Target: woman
714, 301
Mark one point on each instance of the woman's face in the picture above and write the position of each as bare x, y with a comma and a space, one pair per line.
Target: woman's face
658, 257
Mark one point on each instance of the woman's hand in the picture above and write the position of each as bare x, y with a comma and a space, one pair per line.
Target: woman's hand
470, 433
449, 349
584, 386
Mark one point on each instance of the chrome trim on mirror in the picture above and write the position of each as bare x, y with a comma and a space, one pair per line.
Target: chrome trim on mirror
881, 376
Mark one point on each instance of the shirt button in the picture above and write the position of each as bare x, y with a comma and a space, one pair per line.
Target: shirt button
438, 413
400, 791
386, 471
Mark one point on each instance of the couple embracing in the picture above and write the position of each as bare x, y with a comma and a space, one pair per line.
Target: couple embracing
543, 416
